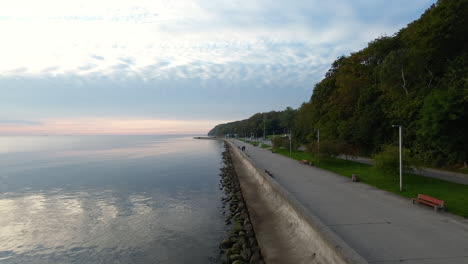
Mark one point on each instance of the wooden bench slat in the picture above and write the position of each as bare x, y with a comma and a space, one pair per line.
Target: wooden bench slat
426, 202
431, 199
436, 203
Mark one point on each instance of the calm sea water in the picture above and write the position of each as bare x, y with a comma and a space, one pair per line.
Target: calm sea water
109, 199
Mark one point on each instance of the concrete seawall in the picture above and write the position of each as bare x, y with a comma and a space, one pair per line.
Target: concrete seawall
286, 231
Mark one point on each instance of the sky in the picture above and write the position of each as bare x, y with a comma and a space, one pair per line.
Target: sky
173, 67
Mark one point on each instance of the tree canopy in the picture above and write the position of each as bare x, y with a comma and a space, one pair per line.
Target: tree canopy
274, 122
417, 78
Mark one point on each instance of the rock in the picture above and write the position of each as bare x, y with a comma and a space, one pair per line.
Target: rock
246, 253
225, 259
237, 227
254, 258
245, 246
235, 250
237, 245
226, 243
255, 248
252, 241
234, 239
241, 246
235, 257
228, 253
241, 240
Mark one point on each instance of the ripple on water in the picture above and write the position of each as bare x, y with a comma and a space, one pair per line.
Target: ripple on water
142, 206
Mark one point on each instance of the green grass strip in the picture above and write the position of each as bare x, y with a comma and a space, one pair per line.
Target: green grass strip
454, 195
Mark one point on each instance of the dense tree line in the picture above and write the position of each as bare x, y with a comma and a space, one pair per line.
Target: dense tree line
417, 78
274, 122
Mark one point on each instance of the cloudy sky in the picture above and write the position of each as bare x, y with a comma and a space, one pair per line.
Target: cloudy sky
180, 66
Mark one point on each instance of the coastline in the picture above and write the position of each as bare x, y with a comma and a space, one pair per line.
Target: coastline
240, 245
286, 231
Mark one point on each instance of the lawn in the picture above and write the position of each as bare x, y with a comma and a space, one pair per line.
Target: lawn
454, 195
255, 143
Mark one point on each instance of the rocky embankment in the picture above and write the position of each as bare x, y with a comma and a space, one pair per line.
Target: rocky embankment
240, 246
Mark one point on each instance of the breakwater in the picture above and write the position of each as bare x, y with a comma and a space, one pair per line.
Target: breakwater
240, 245
285, 230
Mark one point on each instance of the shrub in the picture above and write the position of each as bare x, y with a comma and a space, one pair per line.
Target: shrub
280, 142
311, 147
329, 148
388, 160
348, 150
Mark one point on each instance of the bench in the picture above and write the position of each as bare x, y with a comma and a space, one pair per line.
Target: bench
436, 203
306, 162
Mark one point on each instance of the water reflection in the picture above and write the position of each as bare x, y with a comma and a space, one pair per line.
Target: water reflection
146, 202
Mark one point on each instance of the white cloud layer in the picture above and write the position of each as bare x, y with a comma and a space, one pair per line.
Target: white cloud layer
157, 39
204, 49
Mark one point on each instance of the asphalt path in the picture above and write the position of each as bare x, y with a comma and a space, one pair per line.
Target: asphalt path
382, 227
443, 175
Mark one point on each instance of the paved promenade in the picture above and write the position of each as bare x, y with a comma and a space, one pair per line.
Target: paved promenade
381, 227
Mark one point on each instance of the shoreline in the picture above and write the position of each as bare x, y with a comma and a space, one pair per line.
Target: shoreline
286, 231
240, 245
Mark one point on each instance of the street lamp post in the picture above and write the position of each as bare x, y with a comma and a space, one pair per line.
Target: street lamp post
401, 155
290, 142
318, 140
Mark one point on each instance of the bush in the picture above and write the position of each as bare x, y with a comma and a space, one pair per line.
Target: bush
280, 142
311, 147
330, 149
348, 150
388, 160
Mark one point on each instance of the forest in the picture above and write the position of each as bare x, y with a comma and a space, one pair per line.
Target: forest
272, 123
417, 78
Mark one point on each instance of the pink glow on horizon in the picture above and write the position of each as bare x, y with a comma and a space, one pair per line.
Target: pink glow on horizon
109, 126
